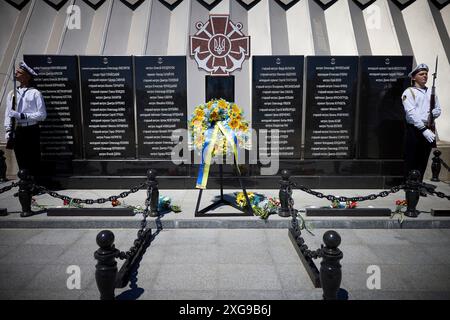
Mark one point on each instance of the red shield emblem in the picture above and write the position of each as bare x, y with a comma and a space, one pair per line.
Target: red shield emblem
219, 46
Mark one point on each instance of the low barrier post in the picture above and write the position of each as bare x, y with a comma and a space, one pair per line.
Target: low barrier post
412, 194
106, 267
25, 193
330, 267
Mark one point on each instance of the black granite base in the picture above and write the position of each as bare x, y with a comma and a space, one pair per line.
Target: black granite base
357, 212
320, 174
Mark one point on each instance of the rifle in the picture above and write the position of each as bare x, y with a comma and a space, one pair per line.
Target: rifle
431, 123
12, 134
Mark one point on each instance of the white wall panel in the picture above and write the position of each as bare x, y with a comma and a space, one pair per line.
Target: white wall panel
8, 18
380, 29
179, 29
340, 29
321, 44
299, 29
278, 28
58, 31
118, 31
195, 77
75, 40
259, 28
99, 28
158, 33
137, 41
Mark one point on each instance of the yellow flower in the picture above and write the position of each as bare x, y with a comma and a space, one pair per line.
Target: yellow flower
197, 121
222, 104
243, 127
209, 104
199, 113
214, 116
235, 108
234, 124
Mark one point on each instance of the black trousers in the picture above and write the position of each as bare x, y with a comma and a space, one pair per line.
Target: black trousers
27, 149
417, 151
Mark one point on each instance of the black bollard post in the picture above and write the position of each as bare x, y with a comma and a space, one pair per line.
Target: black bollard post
436, 165
285, 195
330, 267
106, 267
412, 194
153, 192
3, 167
25, 192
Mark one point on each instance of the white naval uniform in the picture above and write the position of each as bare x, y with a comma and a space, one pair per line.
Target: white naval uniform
29, 102
416, 102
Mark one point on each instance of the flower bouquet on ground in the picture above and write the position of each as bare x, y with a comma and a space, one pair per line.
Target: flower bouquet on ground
401, 204
260, 204
164, 205
217, 128
343, 205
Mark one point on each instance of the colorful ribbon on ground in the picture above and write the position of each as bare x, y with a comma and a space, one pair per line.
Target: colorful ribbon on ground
211, 136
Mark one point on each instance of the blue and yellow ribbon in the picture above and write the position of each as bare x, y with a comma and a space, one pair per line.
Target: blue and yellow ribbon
208, 148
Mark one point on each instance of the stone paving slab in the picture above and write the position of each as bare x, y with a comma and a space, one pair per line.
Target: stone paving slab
227, 264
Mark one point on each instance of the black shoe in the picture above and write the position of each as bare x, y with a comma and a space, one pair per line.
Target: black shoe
26, 214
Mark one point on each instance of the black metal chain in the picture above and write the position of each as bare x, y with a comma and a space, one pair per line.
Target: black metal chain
132, 251
7, 188
320, 195
91, 201
297, 229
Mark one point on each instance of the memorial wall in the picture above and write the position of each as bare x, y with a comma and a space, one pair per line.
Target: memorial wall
110, 108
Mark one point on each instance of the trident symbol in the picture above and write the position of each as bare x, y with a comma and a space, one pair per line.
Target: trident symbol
219, 46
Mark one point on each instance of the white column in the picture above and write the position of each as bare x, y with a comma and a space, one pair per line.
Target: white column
99, 29
158, 33
137, 39
380, 29
243, 77
118, 31
259, 29
58, 31
75, 40
340, 29
426, 45
279, 29
178, 42
299, 29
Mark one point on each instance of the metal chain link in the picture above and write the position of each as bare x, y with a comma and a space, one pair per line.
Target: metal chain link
330, 197
91, 201
7, 188
125, 255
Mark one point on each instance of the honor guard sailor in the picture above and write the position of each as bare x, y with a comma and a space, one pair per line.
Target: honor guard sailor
25, 108
420, 137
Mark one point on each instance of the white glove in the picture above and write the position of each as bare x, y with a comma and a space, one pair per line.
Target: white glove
7, 134
14, 114
435, 113
429, 135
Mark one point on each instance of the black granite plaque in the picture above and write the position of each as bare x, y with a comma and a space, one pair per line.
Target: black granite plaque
331, 92
277, 101
57, 80
220, 87
108, 107
161, 104
382, 118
